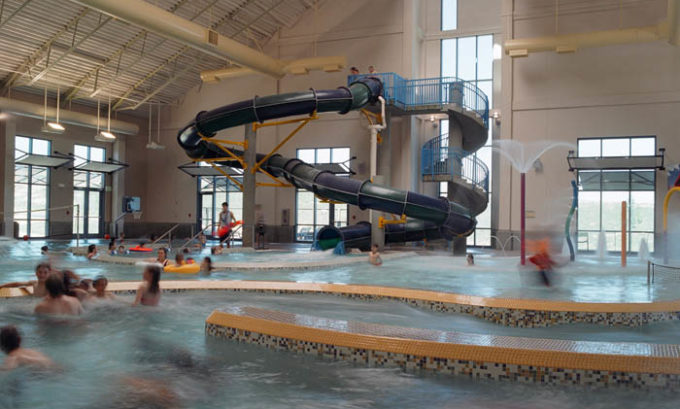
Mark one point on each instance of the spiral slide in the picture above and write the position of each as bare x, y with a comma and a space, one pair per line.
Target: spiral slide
435, 217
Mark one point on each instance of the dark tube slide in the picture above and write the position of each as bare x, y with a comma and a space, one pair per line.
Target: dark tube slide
437, 217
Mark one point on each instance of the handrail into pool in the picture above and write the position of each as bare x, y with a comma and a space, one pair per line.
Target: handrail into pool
438, 158
437, 91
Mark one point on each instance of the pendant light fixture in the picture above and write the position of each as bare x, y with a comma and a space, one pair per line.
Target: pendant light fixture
107, 135
153, 144
52, 126
104, 136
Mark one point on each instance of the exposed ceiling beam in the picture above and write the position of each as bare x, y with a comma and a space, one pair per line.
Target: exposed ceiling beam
165, 84
214, 26
194, 35
66, 53
141, 57
71, 93
14, 13
30, 60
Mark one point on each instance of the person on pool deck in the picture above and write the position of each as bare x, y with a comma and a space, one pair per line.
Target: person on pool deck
100, 284
226, 217
10, 342
91, 252
56, 301
149, 292
45, 251
374, 257
162, 257
42, 271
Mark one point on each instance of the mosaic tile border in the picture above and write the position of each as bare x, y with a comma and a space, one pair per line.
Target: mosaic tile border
509, 312
482, 367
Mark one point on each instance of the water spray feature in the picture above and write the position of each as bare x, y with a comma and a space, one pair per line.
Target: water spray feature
522, 157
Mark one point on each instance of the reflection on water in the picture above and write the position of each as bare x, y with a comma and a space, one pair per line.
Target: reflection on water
117, 356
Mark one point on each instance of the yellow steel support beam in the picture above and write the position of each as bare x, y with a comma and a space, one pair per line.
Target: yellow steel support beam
382, 221
303, 122
222, 144
324, 200
219, 169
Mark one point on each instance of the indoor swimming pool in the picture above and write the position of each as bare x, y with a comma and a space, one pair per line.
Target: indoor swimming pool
118, 356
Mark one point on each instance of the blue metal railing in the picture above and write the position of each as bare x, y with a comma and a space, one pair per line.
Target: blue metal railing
438, 91
439, 159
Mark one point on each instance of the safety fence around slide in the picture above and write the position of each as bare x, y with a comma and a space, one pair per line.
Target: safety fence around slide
427, 92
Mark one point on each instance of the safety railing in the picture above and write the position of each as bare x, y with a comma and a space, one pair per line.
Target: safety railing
424, 92
439, 159
167, 233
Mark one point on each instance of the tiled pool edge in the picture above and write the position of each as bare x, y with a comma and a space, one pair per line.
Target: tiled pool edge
509, 312
472, 361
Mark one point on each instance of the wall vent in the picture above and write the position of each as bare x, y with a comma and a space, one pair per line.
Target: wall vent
213, 37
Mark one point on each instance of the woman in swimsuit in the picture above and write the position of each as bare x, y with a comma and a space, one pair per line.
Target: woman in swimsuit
162, 258
149, 292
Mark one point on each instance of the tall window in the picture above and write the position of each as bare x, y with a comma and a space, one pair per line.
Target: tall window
31, 188
449, 15
88, 191
602, 191
471, 59
212, 192
312, 213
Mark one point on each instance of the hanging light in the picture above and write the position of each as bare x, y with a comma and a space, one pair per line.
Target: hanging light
104, 136
153, 144
52, 126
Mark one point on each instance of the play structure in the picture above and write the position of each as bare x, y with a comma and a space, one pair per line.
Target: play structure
431, 217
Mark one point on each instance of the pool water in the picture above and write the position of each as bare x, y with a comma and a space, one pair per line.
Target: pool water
115, 345
582, 281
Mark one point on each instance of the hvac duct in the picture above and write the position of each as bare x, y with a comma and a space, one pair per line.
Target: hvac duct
28, 109
169, 25
296, 67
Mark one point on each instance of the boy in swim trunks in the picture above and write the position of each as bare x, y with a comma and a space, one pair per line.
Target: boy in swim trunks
10, 342
38, 286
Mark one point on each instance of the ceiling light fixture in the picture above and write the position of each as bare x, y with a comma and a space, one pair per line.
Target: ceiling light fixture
104, 136
153, 144
52, 126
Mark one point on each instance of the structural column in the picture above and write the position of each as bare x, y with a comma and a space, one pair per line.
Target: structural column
455, 161
249, 180
7, 133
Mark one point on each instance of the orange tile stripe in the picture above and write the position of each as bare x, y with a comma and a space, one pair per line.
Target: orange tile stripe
395, 292
552, 358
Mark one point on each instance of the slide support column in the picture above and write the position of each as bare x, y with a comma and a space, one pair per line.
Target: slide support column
249, 180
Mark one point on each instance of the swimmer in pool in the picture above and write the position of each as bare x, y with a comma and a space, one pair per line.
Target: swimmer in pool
38, 286
100, 284
121, 250
45, 251
374, 257
149, 292
10, 342
91, 252
179, 259
162, 257
56, 301
206, 265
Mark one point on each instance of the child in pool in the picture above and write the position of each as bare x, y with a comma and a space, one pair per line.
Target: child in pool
112, 248
470, 258
122, 250
91, 252
149, 292
206, 265
56, 301
374, 257
10, 342
100, 284
44, 250
42, 271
